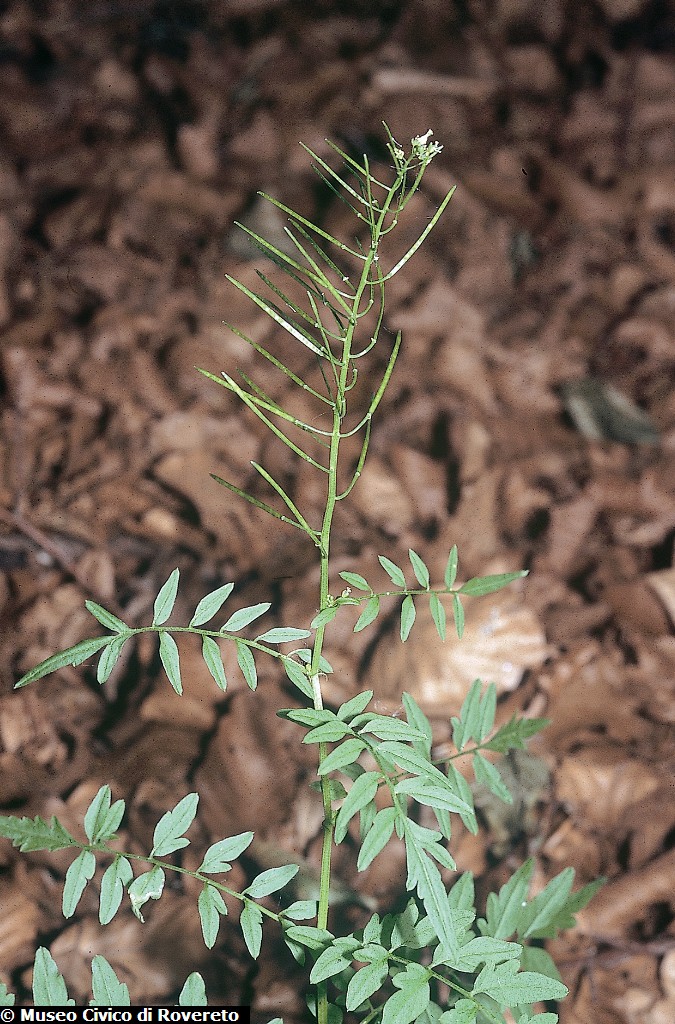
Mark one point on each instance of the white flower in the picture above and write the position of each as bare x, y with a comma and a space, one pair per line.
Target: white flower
423, 149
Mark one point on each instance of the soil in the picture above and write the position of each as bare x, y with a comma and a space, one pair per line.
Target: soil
530, 420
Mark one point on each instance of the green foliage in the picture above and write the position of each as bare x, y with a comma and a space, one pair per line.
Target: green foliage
485, 963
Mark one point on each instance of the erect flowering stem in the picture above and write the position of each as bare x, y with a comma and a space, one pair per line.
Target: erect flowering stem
377, 227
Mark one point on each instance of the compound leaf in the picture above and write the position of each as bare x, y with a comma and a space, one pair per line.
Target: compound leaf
508, 987
356, 581
361, 793
102, 820
412, 998
344, 754
458, 615
365, 983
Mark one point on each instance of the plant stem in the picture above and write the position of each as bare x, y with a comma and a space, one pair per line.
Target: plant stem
339, 412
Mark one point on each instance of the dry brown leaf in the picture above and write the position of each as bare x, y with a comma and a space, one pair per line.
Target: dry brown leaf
663, 583
600, 785
381, 499
249, 777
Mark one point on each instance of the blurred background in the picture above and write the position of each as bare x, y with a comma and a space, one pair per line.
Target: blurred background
530, 420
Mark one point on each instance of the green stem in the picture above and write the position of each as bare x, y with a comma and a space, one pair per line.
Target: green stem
339, 412
156, 862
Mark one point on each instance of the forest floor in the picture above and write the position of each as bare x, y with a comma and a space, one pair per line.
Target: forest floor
530, 420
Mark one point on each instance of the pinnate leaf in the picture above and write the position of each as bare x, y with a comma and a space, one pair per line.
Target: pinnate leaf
298, 677
513, 734
102, 820
325, 616
344, 754
419, 721
489, 776
412, 998
458, 615
509, 987
361, 793
366, 982
329, 963
329, 732
504, 910
377, 837
355, 706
